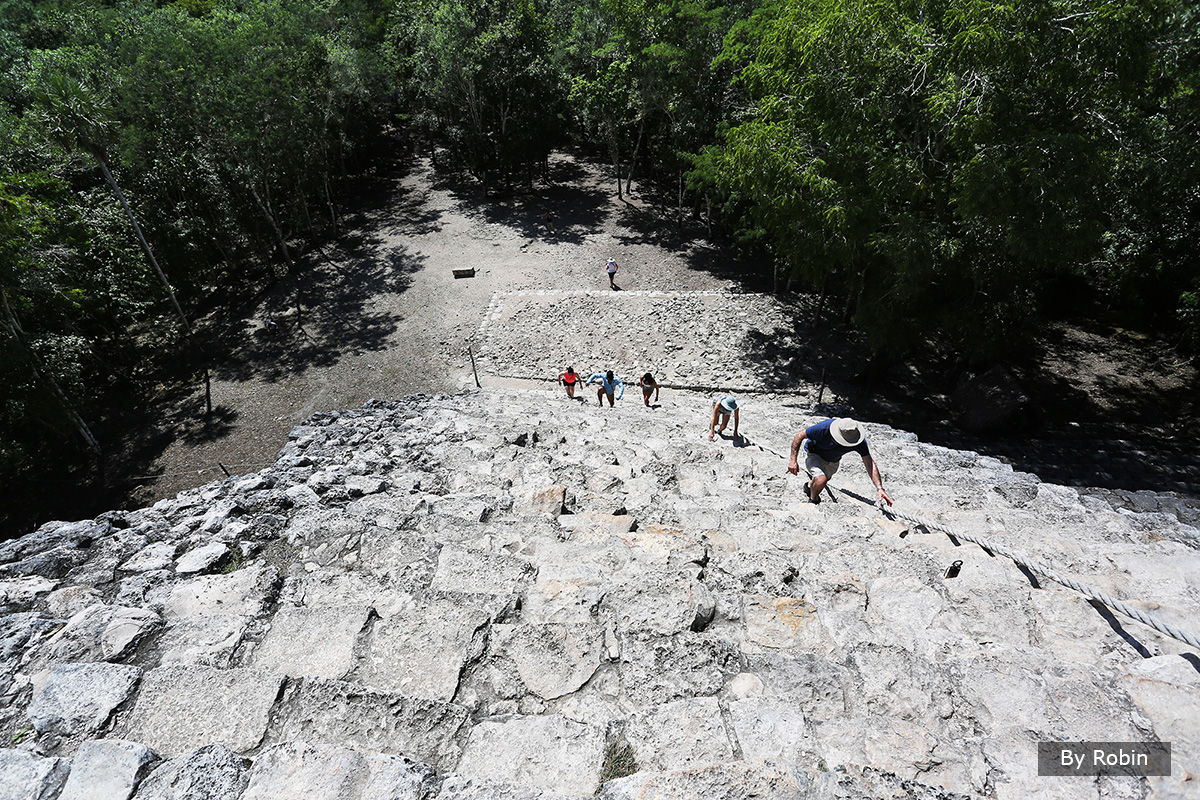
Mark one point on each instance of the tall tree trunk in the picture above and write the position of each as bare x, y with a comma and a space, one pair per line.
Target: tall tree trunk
280, 239
187, 326
14, 330
634, 159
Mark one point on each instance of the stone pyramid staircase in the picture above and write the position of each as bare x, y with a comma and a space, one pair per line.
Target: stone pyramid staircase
507, 594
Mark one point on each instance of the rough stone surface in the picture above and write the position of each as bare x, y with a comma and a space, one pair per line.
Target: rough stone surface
179, 709
499, 585
297, 769
422, 651
313, 642
24, 776
201, 559
107, 769
340, 713
545, 752
212, 772
77, 699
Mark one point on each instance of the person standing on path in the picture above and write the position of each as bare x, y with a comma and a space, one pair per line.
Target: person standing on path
608, 383
612, 273
722, 408
569, 379
649, 386
824, 444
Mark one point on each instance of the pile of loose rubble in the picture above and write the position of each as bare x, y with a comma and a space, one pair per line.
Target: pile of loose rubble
693, 339
512, 595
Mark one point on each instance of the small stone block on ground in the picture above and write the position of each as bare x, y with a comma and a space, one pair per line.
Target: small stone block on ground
680, 735
545, 752
77, 699
24, 776
182, 708
421, 651
212, 772
738, 780
107, 769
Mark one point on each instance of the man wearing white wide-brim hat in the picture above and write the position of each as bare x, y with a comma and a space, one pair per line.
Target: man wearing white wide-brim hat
824, 445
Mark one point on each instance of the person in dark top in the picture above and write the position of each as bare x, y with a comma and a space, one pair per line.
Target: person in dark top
649, 387
824, 444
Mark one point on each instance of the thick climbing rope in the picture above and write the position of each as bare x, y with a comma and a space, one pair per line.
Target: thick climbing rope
1028, 563
1022, 560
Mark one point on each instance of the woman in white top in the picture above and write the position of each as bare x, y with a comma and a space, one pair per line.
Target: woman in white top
723, 407
612, 272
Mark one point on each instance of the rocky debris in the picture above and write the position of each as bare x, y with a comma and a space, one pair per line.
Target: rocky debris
485, 596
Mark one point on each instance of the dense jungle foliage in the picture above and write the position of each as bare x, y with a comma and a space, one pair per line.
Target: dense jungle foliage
952, 169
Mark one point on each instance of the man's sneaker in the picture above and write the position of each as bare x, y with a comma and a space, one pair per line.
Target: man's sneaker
808, 495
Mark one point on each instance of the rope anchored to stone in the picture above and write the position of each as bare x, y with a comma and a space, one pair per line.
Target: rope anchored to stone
1041, 569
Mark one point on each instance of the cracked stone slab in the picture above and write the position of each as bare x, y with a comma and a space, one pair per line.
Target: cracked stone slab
207, 639
657, 669
107, 769
738, 780
77, 699
783, 623
293, 770
545, 752
552, 659
538, 500
477, 572
24, 590
459, 787
212, 772
338, 713
345, 589
201, 559
181, 708
661, 600
771, 728
683, 734
245, 591
591, 522
421, 651
24, 776
100, 633
317, 642
157, 555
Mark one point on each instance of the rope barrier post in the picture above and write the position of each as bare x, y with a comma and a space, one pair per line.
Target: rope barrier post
474, 372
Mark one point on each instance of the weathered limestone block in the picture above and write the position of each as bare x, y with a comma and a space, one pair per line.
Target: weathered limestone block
598, 523
657, 669
1166, 689
771, 728
661, 600
538, 500
421, 651
552, 659
77, 699
68, 601
883, 742
546, 752
313, 642
405, 558
245, 591
683, 734
458, 787
24, 776
182, 708
24, 590
338, 713
100, 633
477, 572
737, 780
324, 588
201, 559
212, 772
108, 769
359, 485
297, 769
157, 555
203, 639
464, 508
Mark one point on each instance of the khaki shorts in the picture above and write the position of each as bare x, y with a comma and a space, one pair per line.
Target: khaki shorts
814, 465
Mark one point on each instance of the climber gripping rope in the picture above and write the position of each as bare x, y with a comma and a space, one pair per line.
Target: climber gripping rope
824, 444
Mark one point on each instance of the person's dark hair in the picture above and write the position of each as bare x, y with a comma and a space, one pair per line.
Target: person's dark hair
648, 378
570, 370
608, 376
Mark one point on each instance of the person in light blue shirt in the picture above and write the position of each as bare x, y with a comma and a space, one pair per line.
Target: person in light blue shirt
608, 384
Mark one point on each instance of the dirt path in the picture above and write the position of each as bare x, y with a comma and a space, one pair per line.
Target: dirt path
383, 315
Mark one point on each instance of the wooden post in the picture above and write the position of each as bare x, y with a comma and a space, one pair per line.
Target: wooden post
473, 370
